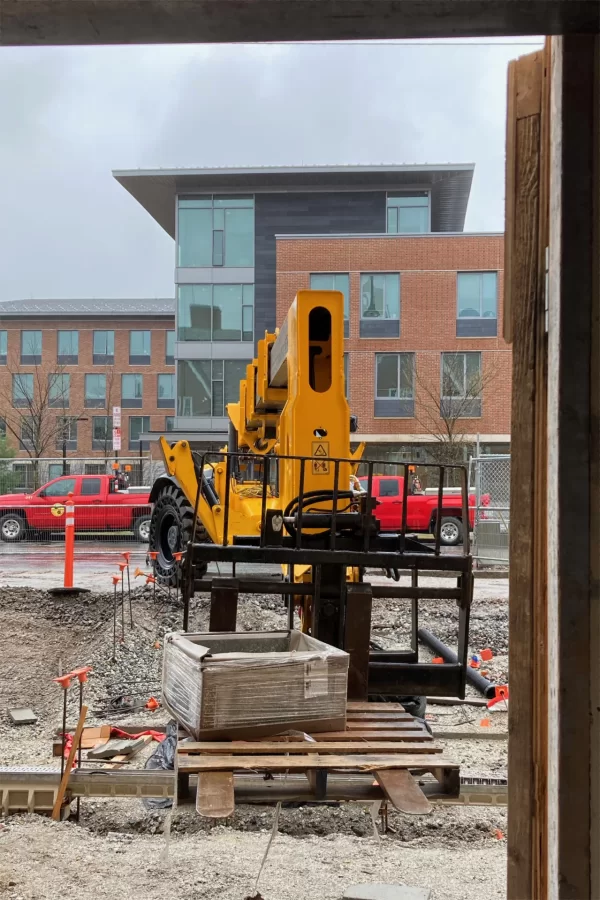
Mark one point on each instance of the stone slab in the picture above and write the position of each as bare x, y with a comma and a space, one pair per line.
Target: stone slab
22, 716
386, 892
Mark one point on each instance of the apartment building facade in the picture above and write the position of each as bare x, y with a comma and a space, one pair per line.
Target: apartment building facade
65, 364
390, 237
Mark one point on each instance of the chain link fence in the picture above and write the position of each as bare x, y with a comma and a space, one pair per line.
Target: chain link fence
108, 512
490, 480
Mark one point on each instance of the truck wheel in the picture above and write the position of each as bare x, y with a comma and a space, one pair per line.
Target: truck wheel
451, 532
171, 528
12, 528
141, 529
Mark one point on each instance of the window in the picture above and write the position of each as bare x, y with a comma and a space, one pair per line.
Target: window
23, 473
216, 231
140, 346
335, 282
67, 348
102, 433
219, 312
169, 423
3, 347
66, 433
91, 486
132, 387
169, 347
476, 304
61, 488
137, 425
58, 391
394, 385
408, 213
31, 348
380, 305
103, 353
165, 395
206, 386
461, 385
22, 389
55, 470
95, 391
389, 487
2, 428
93, 469
28, 432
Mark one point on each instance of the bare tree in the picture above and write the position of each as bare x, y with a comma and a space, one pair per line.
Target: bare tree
110, 397
38, 412
445, 409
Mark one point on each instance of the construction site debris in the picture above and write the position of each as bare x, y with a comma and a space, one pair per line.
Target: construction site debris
386, 892
22, 716
125, 748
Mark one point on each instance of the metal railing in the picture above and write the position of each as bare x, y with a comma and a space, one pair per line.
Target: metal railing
490, 479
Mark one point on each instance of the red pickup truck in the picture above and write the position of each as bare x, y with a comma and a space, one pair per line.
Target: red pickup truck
421, 512
102, 503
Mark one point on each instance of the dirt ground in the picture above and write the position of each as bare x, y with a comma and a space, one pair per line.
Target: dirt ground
119, 847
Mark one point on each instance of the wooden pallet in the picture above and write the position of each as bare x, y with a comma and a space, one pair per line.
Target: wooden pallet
381, 740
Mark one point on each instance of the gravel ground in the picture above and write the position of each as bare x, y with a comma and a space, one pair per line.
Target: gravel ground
40, 860
118, 848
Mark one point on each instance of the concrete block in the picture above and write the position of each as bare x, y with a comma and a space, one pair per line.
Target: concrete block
386, 892
22, 716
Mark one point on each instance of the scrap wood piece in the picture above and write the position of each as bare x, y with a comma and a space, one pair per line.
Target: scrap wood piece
121, 758
378, 724
379, 716
280, 763
92, 737
402, 790
215, 795
62, 788
247, 748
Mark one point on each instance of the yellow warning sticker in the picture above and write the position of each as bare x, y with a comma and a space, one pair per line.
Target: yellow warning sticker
57, 510
320, 452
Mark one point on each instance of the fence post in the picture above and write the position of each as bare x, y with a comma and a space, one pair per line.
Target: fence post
69, 541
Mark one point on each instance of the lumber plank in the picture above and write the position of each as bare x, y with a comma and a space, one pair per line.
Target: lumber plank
389, 724
402, 790
270, 747
280, 763
379, 716
384, 735
366, 706
215, 795
60, 794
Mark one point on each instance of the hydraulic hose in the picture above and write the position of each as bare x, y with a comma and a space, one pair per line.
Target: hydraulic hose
485, 687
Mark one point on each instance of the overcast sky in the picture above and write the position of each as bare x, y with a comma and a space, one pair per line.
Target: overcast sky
71, 115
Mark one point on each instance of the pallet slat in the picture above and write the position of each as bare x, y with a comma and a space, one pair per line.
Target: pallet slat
383, 735
280, 747
366, 763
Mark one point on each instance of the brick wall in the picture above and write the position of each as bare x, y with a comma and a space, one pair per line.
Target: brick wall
121, 327
428, 267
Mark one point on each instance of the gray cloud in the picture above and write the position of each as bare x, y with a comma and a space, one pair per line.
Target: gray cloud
70, 115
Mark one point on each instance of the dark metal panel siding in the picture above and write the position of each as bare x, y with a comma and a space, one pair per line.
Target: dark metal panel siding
473, 328
344, 212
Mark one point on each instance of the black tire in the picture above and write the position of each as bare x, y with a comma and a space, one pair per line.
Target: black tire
141, 528
451, 532
171, 528
13, 528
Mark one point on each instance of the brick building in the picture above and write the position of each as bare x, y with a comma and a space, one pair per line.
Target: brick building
65, 364
423, 297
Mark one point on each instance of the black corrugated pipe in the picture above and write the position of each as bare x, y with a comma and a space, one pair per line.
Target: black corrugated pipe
485, 687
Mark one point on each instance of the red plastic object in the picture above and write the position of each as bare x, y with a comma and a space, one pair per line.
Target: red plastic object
474, 664
82, 673
122, 567
438, 660
177, 556
65, 680
116, 579
486, 654
153, 554
126, 554
485, 723
150, 579
152, 704
502, 696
